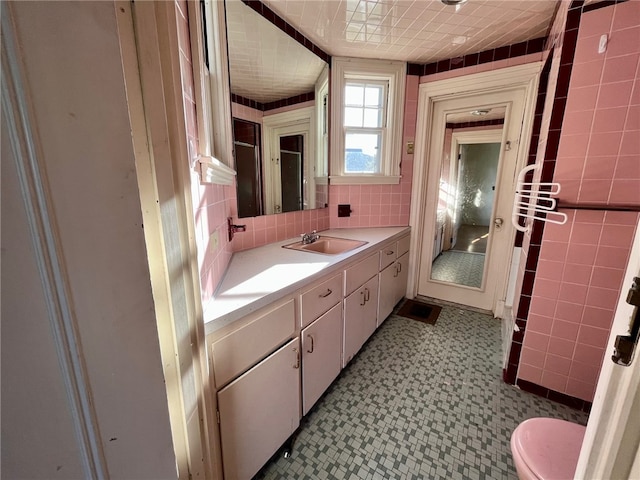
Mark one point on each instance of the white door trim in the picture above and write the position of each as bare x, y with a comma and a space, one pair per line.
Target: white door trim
611, 442
151, 64
523, 77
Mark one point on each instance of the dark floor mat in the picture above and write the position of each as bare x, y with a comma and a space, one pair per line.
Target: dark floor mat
423, 312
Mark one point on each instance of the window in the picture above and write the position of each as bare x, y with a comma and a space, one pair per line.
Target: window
364, 121
211, 91
368, 110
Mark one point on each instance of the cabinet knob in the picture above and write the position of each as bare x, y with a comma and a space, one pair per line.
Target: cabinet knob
311, 346
297, 364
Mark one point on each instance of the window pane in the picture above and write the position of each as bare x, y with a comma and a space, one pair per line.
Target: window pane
373, 96
354, 95
353, 117
372, 117
362, 153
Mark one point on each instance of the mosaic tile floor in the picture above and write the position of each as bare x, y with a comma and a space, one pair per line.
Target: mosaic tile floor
418, 402
459, 267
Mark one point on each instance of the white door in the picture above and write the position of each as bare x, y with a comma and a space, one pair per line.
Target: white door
462, 274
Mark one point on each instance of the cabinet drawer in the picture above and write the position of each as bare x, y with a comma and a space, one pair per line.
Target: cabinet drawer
361, 272
244, 347
403, 245
388, 255
320, 299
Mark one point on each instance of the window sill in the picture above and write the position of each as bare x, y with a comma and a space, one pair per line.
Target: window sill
365, 180
212, 170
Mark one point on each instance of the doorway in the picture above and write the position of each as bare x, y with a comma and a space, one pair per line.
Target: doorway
291, 176
248, 160
467, 183
470, 142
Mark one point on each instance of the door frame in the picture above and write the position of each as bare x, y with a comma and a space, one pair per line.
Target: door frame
296, 122
148, 34
521, 77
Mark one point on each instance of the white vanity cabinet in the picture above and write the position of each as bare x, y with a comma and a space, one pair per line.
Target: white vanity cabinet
394, 270
256, 368
270, 366
259, 411
321, 356
360, 306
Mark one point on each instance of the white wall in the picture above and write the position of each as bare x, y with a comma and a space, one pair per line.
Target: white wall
74, 78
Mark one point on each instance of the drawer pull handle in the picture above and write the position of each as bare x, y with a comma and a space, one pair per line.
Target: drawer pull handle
329, 292
399, 267
397, 271
366, 294
311, 347
389, 252
363, 298
297, 364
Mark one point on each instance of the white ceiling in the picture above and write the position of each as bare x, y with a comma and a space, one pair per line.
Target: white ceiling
417, 31
266, 64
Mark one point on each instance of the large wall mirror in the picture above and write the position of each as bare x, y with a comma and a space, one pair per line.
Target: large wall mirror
279, 91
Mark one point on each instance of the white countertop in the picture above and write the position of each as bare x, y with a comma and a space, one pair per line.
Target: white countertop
260, 276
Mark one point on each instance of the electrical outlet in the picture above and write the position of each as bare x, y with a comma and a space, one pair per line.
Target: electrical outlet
214, 240
410, 148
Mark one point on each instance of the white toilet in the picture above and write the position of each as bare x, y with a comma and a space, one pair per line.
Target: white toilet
546, 448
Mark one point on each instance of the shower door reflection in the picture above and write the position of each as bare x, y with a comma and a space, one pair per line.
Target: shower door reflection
468, 181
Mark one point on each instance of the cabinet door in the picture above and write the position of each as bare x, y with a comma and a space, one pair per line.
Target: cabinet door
259, 411
360, 317
401, 279
388, 292
321, 356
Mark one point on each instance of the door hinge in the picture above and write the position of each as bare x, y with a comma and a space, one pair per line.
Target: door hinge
625, 345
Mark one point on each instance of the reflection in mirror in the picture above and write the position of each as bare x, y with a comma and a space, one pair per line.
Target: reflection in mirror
468, 176
280, 89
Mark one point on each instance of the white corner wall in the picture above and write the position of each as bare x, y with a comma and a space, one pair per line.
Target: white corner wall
73, 77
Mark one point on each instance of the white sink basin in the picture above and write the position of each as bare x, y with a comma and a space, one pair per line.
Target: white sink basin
327, 245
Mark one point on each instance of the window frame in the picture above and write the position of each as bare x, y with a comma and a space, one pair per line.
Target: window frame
212, 158
345, 70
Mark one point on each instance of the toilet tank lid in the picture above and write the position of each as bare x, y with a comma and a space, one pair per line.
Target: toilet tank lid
550, 447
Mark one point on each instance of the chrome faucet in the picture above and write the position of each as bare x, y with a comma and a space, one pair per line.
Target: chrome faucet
308, 238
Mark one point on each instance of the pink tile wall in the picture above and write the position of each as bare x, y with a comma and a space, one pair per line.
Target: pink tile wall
381, 205
580, 268
209, 201
578, 281
599, 153
274, 228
